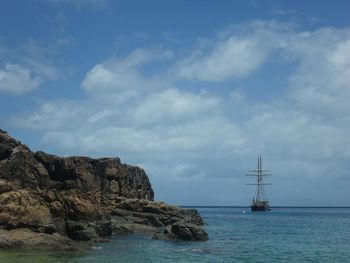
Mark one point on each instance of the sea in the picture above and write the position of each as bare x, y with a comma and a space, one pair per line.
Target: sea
236, 235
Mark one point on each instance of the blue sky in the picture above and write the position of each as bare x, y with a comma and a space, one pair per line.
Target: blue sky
192, 91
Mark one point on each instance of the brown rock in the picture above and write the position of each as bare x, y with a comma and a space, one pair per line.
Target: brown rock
188, 231
46, 197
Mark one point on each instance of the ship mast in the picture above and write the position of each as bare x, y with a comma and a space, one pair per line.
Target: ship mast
259, 173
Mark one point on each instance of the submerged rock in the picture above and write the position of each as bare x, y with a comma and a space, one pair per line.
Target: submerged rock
48, 200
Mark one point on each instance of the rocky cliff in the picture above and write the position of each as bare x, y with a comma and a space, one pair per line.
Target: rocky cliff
59, 203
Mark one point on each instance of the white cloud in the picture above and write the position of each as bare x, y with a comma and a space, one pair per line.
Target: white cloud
121, 79
16, 79
321, 82
42, 69
24, 68
238, 53
166, 121
56, 115
232, 58
214, 134
171, 105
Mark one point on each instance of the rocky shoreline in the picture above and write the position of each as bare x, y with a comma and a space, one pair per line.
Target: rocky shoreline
69, 203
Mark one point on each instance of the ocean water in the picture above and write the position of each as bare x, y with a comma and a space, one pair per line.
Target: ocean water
236, 235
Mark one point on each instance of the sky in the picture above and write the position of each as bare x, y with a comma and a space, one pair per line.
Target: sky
193, 91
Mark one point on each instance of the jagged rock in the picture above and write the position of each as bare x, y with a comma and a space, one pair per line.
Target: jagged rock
188, 231
162, 220
46, 197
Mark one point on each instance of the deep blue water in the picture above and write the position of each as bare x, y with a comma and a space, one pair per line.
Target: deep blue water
281, 235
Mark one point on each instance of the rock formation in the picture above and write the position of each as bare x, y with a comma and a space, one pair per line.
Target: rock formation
53, 202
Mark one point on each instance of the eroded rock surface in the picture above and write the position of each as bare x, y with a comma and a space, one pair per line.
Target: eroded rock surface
51, 200
164, 221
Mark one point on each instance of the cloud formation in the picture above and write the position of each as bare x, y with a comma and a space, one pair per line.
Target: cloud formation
237, 53
156, 117
122, 79
24, 69
15, 79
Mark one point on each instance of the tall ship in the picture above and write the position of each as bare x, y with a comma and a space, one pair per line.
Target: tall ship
259, 202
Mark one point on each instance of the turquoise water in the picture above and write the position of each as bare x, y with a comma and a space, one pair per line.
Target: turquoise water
282, 235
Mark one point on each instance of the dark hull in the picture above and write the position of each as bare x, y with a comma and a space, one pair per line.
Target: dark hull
260, 208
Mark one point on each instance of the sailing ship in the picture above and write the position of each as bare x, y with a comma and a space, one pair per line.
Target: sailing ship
259, 202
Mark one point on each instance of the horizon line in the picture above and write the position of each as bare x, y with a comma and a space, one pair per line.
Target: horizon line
245, 206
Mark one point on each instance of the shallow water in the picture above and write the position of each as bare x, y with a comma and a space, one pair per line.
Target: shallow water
282, 235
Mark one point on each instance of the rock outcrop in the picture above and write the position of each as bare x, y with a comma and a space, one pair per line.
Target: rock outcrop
69, 202
164, 221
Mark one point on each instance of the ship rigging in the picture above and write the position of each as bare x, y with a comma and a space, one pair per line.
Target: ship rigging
259, 202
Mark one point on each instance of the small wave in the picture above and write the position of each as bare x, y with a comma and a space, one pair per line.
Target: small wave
96, 248
196, 250
201, 250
